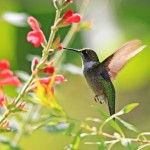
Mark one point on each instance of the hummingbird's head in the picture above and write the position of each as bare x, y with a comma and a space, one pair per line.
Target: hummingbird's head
86, 54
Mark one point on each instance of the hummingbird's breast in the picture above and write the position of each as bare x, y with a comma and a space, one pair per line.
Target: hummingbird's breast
92, 71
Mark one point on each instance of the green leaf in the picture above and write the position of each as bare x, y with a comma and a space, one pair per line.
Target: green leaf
128, 126
129, 107
112, 123
70, 128
75, 143
101, 146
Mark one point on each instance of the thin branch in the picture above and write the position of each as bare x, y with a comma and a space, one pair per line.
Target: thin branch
114, 137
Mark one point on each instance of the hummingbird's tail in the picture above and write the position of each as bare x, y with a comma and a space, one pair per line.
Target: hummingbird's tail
111, 108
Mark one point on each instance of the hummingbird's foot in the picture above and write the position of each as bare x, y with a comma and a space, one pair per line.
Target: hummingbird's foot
99, 98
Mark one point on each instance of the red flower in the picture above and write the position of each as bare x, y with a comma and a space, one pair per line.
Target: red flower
4, 64
49, 70
36, 37
14, 81
70, 17
6, 75
33, 23
46, 83
35, 62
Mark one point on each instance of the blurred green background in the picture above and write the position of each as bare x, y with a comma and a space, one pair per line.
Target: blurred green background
113, 23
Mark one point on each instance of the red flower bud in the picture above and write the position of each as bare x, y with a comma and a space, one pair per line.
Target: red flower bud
49, 70
21, 105
60, 47
35, 62
4, 124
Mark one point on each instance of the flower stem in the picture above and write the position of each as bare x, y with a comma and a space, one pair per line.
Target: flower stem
53, 30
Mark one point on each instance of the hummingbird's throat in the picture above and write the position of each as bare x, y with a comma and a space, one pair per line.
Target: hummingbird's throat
90, 64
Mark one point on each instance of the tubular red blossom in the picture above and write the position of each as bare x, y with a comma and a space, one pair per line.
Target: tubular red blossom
75, 18
49, 70
68, 18
11, 81
4, 64
6, 73
59, 78
46, 82
33, 23
36, 37
68, 14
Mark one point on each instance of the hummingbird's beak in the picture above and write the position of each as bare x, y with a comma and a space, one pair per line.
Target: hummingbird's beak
72, 49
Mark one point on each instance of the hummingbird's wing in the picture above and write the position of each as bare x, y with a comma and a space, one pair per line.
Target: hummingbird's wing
117, 60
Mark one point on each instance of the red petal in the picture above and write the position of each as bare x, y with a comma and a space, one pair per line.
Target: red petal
69, 1
35, 37
35, 61
68, 14
2, 99
59, 79
4, 64
49, 70
33, 23
6, 73
45, 81
11, 81
75, 18
52, 90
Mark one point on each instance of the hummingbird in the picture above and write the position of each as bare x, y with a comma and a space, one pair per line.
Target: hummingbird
100, 75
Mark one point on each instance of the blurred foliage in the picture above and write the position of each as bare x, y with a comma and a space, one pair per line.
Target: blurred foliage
132, 84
